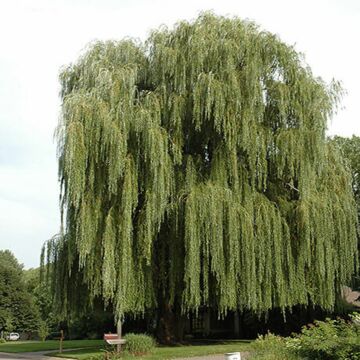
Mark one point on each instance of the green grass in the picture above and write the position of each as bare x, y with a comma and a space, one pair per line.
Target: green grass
168, 352
26, 346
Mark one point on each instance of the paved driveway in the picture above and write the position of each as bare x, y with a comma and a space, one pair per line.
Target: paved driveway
244, 356
39, 355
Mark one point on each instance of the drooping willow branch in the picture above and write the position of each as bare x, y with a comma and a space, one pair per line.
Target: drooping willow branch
197, 164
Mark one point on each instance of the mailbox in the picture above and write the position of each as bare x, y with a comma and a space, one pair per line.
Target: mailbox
113, 339
233, 356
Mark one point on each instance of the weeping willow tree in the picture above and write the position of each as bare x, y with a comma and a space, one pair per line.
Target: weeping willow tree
195, 172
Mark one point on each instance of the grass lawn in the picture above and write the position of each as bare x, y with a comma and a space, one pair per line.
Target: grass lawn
167, 352
25, 346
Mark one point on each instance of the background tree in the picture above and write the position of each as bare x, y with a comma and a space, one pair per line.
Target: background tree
195, 172
17, 309
40, 292
84, 325
43, 330
350, 149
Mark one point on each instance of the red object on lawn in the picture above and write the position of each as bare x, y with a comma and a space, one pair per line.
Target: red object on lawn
111, 336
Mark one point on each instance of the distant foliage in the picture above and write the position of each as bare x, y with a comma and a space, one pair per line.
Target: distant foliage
195, 167
18, 311
43, 330
350, 149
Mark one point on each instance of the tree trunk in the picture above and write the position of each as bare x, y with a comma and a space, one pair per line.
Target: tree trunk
119, 332
171, 325
236, 324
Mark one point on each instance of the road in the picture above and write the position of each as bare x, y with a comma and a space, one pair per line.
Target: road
244, 356
39, 355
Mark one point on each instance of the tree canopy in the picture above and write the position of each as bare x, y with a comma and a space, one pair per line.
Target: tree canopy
350, 148
17, 309
194, 168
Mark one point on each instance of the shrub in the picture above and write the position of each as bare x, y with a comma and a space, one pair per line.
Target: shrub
271, 347
43, 330
328, 340
323, 340
138, 344
355, 317
2, 341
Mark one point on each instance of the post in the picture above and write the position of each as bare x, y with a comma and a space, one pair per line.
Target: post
61, 340
236, 324
119, 330
207, 327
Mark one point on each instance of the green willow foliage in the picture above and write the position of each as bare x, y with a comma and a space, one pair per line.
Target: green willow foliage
195, 168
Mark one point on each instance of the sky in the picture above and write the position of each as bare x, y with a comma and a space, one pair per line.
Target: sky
38, 37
